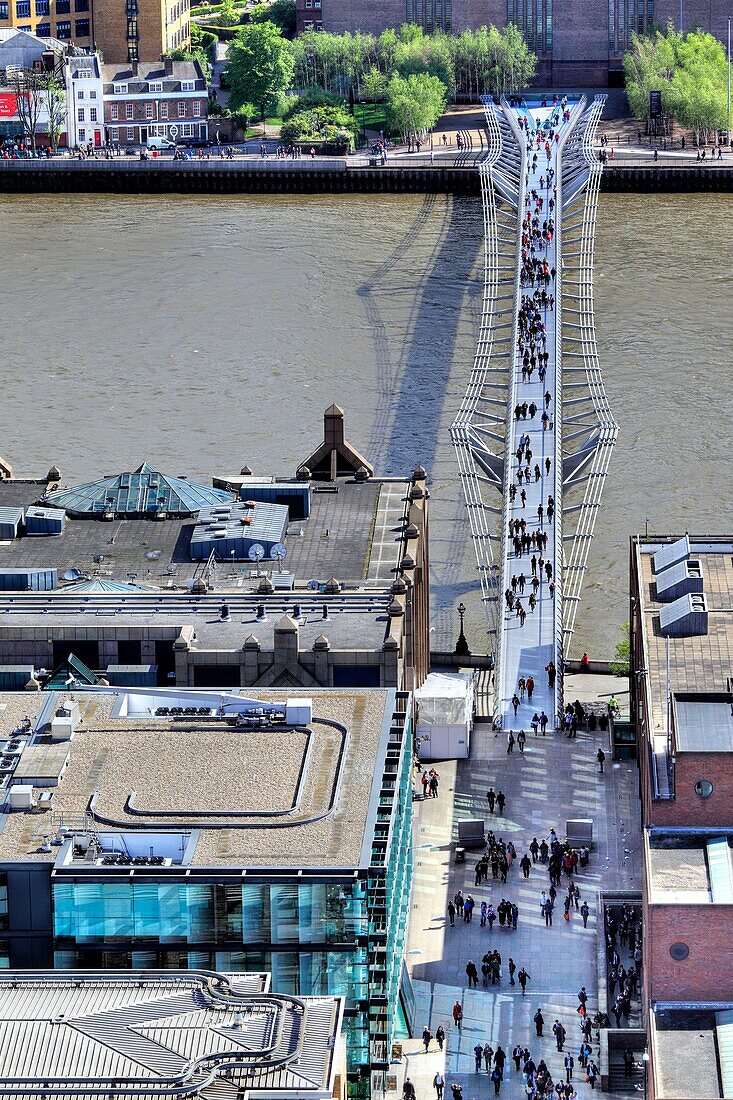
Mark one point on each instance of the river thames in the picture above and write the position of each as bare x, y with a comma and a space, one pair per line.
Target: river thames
204, 333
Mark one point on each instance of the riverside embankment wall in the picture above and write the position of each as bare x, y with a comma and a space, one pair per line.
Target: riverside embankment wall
263, 177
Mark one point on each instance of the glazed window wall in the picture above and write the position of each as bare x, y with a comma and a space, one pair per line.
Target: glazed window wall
431, 15
534, 19
297, 913
625, 17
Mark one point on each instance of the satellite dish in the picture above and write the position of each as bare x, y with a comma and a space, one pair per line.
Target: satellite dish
279, 552
313, 585
256, 552
153, 555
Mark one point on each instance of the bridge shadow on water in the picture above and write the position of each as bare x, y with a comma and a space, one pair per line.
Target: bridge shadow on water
433, 262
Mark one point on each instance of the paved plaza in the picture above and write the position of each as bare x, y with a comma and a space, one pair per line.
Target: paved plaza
556, 778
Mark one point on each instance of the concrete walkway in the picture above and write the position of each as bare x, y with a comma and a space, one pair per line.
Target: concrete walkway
554, 779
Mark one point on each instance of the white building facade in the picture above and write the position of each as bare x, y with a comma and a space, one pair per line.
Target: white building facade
84, 102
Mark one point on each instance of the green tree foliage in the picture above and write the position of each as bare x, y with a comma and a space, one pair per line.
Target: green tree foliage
374, 85
621, 663
228, 16
259, 67
691, 72
201, 50
414, 103
279, 12
326, 123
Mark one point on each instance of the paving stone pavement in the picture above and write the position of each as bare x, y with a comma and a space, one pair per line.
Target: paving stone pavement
555, 779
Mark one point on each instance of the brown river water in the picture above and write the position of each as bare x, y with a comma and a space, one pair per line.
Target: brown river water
204, 332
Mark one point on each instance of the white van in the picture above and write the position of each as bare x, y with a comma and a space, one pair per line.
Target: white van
160, 143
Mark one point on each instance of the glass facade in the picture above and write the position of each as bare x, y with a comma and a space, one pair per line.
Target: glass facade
193, 913
431, 15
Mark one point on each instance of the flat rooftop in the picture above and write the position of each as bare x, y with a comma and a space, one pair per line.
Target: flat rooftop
699, 663
689, 870
703, 723
686, 1053
352, 534
241, 797
84, 1031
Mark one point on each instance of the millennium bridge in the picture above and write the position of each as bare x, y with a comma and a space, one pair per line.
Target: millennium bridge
534, 433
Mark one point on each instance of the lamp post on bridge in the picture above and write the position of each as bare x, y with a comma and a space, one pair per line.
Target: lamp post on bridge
461, 649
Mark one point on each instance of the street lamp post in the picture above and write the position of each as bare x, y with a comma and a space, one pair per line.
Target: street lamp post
461, 649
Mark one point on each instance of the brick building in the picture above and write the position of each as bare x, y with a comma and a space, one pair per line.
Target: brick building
681, 619
308, 15
160, 99
578, 42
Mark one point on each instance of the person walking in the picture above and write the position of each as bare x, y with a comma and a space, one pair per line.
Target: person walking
488, 1055
457, 1014
515, 703
539, 1022
440, 1036
501, 802
491, 799
559, 1032
526, 864
472, 974
591, 1072
521, 740
426, 1037
517, 1055
582, 1000
551, 673
439, 1085
456, 1091
530, 688
543, 723
600, 757
452, 914
408, 1090
585, 913
478, 1057
569, 1064
510, 740
512, 970
523, 977
496, 1077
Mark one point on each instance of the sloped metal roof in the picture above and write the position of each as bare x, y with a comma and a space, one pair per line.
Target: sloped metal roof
140, 492
139, 1033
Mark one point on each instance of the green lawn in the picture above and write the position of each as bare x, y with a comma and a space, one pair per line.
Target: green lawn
372, 116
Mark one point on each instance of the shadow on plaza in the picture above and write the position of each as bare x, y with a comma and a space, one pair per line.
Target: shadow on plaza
414, 378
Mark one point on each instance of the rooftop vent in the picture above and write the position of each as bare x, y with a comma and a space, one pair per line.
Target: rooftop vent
685, 618
670, 555
678, 580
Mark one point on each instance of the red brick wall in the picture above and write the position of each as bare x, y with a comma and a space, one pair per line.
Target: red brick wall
687, 808
705, 974
139, 111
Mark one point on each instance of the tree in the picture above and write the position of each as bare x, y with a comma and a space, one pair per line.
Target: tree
279, 12
259, 67
621, 663
227, 15
374, 85
54, 101
414, 103
27, 87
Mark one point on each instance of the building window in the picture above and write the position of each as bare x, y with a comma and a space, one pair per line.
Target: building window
533, 18
4, 901
187, 129
80, 93
63, 7
63, 29
80, 115
114, 134
129, 110
181, 109
679, 951
41, 7
148, 110
93, 114
156, 86
82, 28
82, 134
23, 9
431, 15
92, 94
114, 112
626, 16
188, 85
4, 9
43, 30
81, 5
120, 89
197, 109
130, 133
164, 110
704, 788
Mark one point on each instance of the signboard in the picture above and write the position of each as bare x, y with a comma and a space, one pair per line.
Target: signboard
8, 105
173, 132
655, 105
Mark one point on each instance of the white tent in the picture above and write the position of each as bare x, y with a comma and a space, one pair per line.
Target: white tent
445, 705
